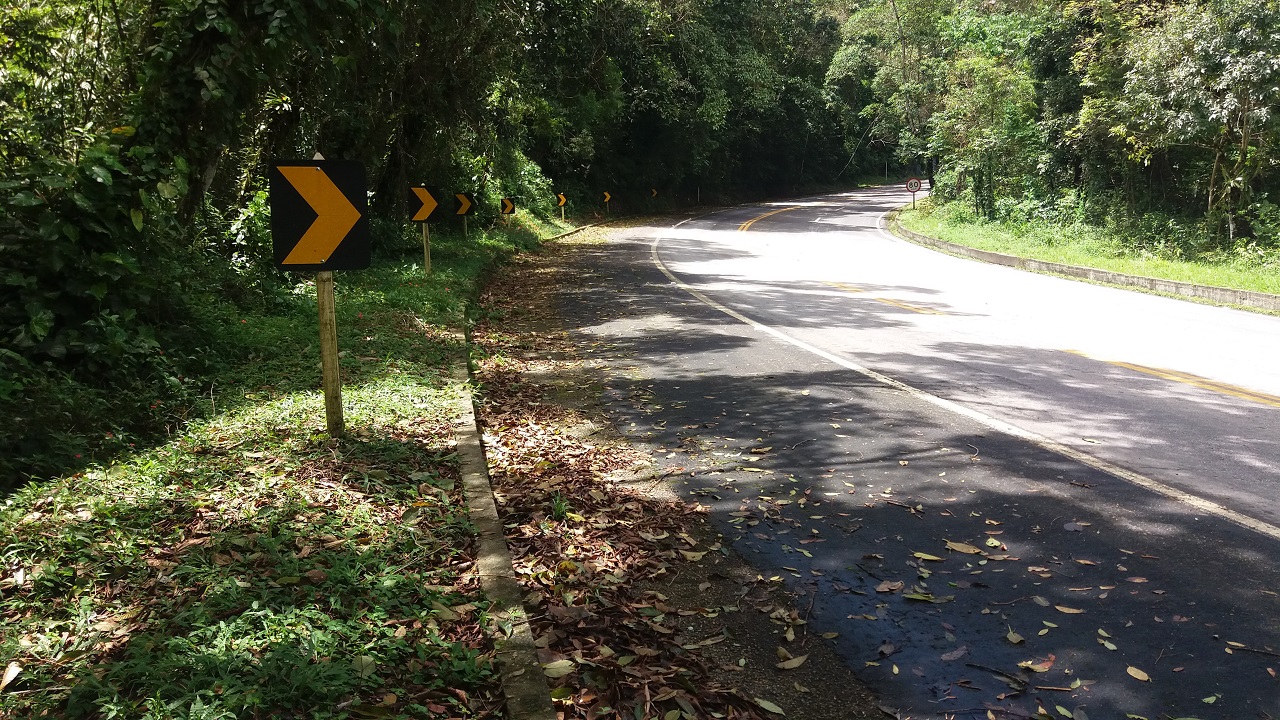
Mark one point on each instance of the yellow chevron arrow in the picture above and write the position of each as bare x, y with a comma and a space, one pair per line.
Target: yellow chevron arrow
607, 196
508, 207
335, 215
429, 204
653, 192
464, 204
562, 200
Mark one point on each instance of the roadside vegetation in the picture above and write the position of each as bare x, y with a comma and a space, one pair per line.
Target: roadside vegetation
1139, 132
248, 565
1106, 248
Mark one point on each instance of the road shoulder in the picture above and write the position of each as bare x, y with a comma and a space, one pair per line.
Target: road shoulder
654, 611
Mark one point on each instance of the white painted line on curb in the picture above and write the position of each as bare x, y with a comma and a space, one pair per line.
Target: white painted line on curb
1198, 503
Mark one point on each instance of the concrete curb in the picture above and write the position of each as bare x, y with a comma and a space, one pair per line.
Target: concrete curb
528, 697
578, 229
567, 233
1226, 296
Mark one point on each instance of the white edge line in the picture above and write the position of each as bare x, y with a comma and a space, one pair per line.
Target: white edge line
1198, 503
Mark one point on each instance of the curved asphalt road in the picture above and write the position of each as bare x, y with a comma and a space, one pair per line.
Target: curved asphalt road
857, 486
1187, 394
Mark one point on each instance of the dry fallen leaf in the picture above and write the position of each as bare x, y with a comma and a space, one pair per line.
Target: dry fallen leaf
929, 597
956, 654
1013, 637
761, 701
442, 611
1138, 674
963, 547
559, 668
793, 663
1039, 667
10, 673
1067, 610
926, 556
890, 586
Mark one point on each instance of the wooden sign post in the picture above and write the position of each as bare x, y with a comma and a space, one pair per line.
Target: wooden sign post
466, 206
331, 377
426, 249
422, 215
318, 224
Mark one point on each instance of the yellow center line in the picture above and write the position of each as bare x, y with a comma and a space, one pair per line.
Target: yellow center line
913, 308
1195, 380
846, 287
747, 225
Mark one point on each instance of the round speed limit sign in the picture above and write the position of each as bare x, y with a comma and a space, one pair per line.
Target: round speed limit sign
913, 185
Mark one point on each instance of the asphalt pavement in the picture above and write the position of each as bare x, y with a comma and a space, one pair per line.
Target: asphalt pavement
1003, 492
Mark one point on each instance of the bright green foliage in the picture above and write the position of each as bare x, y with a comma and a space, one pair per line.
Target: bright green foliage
1124, 113
1209, 78
986, 128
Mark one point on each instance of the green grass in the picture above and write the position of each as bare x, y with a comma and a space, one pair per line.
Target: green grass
1090, 246
252, 567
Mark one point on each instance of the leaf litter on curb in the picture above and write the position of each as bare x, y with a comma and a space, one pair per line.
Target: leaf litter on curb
584, 548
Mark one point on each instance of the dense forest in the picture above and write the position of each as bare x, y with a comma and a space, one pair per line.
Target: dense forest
136, 135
